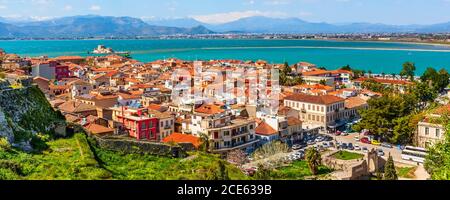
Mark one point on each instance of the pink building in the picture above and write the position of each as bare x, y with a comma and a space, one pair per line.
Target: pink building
137, 122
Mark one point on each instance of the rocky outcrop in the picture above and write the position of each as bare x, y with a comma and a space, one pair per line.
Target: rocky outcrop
5, 130
25, 112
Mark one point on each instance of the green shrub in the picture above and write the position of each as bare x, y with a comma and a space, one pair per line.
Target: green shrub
4, 144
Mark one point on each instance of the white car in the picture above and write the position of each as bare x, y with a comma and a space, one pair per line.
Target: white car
357, 147
365, 150
357, 138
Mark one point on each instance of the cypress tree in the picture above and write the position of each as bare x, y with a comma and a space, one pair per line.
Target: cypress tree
389, 169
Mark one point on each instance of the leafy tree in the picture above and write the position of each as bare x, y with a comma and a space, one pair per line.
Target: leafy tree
372, 85
389, 170
423, 94
444, 80
437, 162
403, 131
380, 118
438, 80
408, 70
347, 67
314, 160
287, 69
286, 78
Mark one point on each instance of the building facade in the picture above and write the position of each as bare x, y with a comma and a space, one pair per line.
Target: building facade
323, 110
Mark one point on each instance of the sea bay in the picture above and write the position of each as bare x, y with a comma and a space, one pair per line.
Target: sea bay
377, 57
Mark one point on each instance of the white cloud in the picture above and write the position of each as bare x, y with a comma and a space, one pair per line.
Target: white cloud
40, 18
41, 2
68, 8
220, 18
277, 2
304, 14
3, 7
95, 8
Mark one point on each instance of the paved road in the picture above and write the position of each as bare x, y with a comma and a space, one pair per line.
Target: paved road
395, 152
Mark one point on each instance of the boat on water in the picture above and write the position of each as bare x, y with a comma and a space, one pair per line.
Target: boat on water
102, 50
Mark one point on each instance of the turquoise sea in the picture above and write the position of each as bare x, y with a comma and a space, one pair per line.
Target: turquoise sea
375, 56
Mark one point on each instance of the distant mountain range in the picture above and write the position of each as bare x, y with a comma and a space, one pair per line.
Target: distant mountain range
260, 24
102, 26
91, 26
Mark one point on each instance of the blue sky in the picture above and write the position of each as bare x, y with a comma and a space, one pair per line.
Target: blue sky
219, 11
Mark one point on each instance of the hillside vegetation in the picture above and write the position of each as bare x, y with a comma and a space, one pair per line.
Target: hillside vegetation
73, 159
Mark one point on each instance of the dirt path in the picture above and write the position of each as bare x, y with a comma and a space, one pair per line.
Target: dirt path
421, 173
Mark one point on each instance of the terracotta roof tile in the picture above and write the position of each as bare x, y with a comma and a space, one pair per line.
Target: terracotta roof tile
183, 138
265, 129
324, 100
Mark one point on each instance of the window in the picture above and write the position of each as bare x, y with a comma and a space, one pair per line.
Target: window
162, 123
151, 125
144, 126
427, 131
226, 133
309, 107
251, 127
298, 105
438, 133
322, 109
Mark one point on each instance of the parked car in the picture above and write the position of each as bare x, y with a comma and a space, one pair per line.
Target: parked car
357, 147
344, 146
365, 140
326, 145
380, 152
331, 144
357, 138
376, 142
344, 134
338, 133
350, 146
310, 142
296, 147
365, 150
386, 145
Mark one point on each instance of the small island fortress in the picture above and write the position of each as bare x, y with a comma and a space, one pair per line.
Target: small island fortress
102, 49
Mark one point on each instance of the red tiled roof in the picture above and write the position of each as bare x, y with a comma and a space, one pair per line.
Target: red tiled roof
384, 81
98, 129
292, 121
316, 72
325, 99
183, 138
265, 129
209, 109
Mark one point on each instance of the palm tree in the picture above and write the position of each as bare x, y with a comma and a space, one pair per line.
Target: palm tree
204, 139
393, 76
383, 75
314, 160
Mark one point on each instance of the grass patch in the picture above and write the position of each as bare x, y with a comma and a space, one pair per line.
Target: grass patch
406, 172
297, 171
345, 155
65, 159
73, 159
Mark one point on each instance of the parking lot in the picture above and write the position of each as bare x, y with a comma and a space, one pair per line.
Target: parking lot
350, 142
